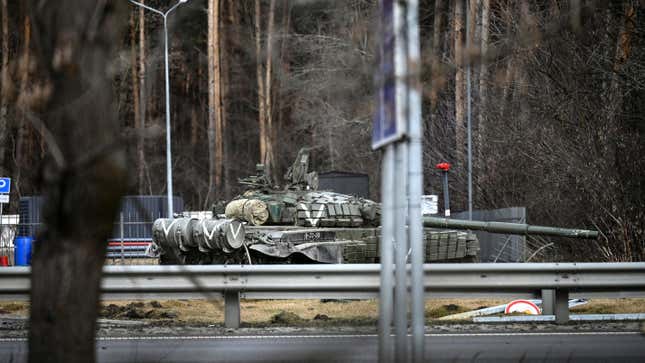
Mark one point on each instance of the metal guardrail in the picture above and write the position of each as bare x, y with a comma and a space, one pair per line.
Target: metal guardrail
553, 281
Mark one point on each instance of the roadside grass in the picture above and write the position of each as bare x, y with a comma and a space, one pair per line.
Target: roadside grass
263, 313
611, 306
20, 308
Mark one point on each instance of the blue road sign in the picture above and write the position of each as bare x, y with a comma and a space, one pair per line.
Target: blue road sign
5, 185
386, 128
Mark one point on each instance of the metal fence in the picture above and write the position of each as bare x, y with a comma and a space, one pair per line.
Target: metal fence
120, 248
138, 213
8, 229
132, 232
125, 246
554, 282
496, 247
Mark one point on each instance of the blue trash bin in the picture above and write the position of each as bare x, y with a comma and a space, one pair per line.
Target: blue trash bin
22, 254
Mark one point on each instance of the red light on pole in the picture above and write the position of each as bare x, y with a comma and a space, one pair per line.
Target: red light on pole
443, 166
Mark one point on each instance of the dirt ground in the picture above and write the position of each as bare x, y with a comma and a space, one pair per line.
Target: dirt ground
131, 261
300, 312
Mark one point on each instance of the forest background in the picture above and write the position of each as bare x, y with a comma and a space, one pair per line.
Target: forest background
557, 96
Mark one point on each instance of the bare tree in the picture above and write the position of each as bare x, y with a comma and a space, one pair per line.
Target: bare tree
215, 149
136, 95
483, 78
438, 76
6, 84
141, 155
460, 88
226, 56
25, 64
261, 84
268, 89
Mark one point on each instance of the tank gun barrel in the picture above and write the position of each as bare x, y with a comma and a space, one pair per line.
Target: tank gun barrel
509, 228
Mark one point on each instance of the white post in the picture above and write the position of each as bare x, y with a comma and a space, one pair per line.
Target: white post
401, 190
387, 259
401, 253
415, 181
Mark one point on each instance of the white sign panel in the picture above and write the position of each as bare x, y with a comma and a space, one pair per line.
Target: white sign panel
10, 220
429, 204
4, 198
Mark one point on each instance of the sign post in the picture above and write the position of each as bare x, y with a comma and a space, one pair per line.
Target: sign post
388, 128
5, 188
384, 133
445, 167
398, 129
415, 180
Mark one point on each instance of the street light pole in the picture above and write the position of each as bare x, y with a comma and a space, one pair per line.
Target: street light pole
168, 145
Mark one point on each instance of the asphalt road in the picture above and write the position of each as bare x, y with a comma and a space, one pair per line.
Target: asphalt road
487, 347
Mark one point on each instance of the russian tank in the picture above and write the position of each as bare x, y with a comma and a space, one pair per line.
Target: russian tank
300, 224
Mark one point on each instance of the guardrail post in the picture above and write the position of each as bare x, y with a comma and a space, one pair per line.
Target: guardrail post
548, 301
232, 309
561, 306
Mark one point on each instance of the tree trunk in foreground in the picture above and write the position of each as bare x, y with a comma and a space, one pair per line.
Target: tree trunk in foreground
84, 177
